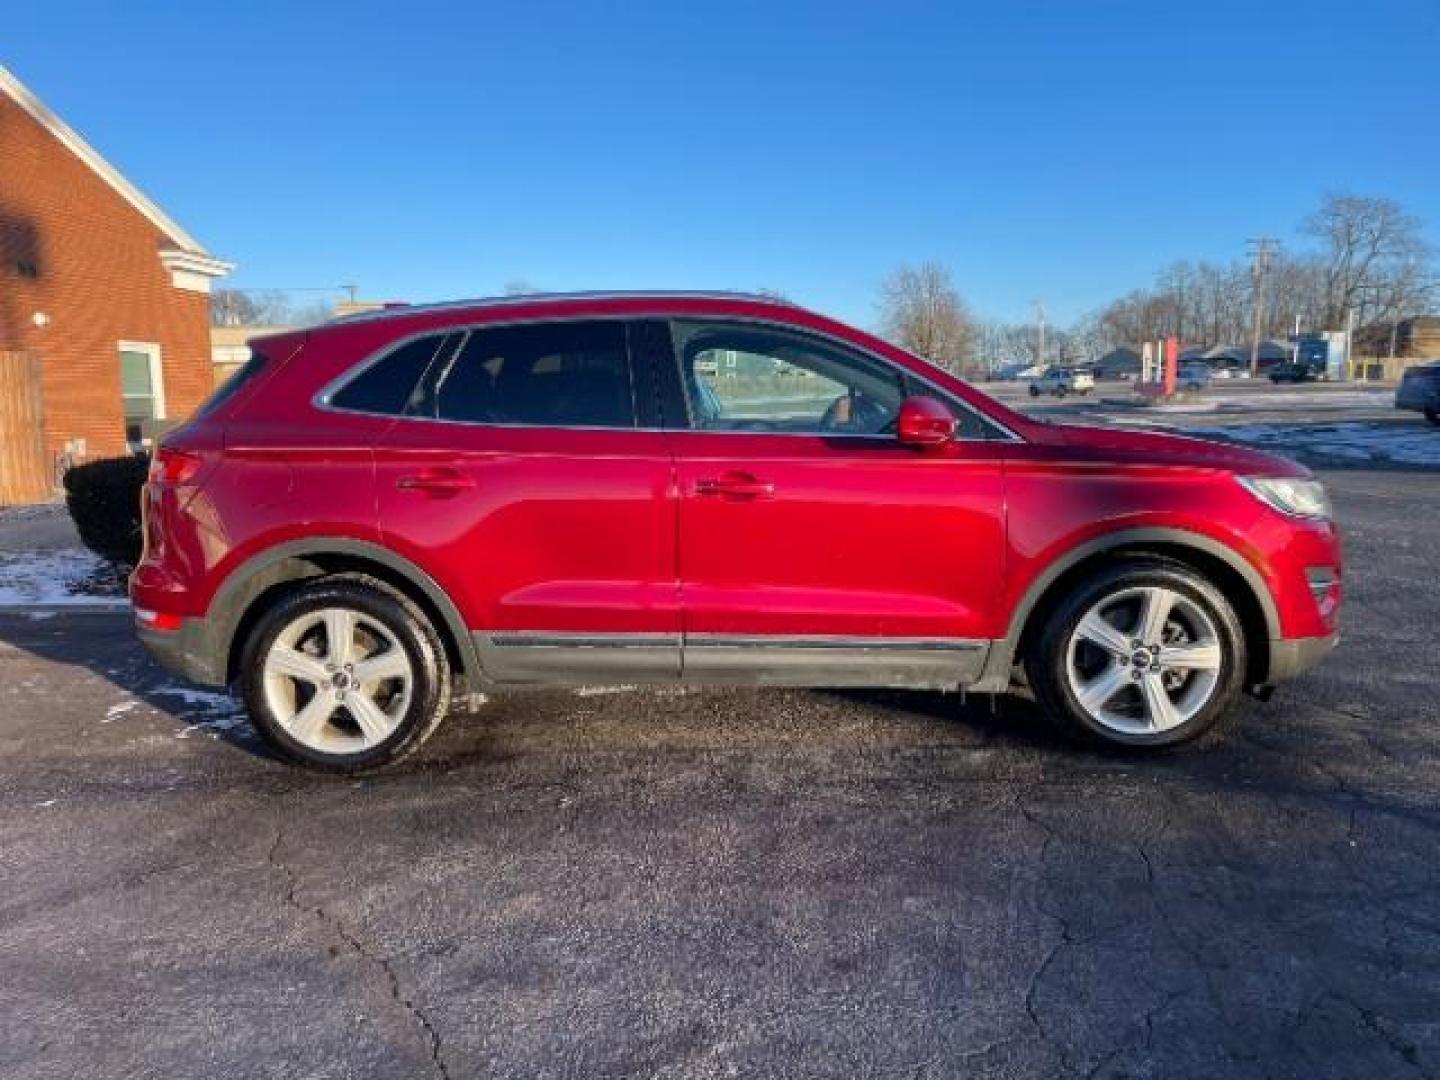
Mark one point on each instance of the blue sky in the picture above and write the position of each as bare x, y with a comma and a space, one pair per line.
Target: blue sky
1054, 150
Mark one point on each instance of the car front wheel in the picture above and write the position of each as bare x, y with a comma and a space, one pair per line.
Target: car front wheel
345, 675
1145, 653
1433, 416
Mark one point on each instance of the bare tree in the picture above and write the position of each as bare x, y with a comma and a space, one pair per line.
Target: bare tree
921, 310
1371, 246
1373, 259
1005, 344
266, 307
521, 287
232, 307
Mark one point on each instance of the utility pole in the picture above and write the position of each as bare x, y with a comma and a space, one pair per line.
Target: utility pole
1040, 331
1262, 249
1350, 344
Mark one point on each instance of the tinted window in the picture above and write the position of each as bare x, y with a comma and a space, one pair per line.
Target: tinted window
389, 385
751, 378
552, 375
245, 374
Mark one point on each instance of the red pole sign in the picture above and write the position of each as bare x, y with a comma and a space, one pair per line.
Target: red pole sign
1172, 364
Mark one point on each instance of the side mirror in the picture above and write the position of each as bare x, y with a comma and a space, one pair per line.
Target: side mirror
923, 421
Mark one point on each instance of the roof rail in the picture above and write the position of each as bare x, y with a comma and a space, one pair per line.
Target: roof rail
390, 311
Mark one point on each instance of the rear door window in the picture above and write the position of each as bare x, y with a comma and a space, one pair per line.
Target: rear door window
570, 374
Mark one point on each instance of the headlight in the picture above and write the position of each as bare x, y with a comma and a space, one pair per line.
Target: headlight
1303, 498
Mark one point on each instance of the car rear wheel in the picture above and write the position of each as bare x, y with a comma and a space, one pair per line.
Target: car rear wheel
1034, 391
1145, 653
1433, 416
345, 675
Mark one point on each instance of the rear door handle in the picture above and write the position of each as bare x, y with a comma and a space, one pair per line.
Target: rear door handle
739, 486
436, 481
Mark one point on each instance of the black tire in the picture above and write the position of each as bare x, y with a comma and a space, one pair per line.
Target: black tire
1045, 664
1034, 390
411, 630
1060, 390
1433, 415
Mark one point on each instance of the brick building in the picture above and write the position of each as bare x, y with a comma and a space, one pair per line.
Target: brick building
99, 284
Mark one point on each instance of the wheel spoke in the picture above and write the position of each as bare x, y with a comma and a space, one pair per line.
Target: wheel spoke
339, 635
391, 664
371, 718
1099, 690
1158, 706
1155, 606
307, 724
1199, 656
296, 665
1094, 629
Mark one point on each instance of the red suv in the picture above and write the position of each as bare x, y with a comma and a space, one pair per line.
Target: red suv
381, 513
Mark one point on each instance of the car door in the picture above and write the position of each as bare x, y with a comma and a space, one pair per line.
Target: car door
814, 547
519, 476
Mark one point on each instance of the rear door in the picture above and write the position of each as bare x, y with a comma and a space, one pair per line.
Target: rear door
814, 547
520, 476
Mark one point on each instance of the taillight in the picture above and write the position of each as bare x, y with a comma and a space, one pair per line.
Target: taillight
173, 467
158, 620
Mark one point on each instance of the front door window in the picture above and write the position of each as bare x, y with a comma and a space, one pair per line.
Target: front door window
748, 378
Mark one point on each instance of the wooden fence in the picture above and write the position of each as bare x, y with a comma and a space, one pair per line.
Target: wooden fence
25, 475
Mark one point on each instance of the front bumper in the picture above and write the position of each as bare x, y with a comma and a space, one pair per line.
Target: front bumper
189, 652
1290, 657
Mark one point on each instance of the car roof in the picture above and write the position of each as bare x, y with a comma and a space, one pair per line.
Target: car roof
528, 300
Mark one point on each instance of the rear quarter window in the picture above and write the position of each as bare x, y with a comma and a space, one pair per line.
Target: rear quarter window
246, 374
388, 385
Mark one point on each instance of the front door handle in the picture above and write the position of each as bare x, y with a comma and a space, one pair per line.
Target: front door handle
739, 486
436, 481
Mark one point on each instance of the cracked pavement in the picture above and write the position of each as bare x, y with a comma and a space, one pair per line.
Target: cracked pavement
719, 883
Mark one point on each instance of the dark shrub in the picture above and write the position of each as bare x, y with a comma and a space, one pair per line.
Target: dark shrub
104, 501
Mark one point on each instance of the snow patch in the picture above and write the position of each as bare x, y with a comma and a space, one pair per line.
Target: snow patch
116, 711
45, 578
1399, 443
210, 713
598, 691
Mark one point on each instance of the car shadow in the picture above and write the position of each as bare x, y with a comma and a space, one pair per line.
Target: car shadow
104, 644
1294, 750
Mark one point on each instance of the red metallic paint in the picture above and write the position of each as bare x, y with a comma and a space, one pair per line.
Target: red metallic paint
617, 531
923, 421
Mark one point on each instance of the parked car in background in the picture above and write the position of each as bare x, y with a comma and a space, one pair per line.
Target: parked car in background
1297, 371
1419, 390
1193, 376
1061, 381
378, 515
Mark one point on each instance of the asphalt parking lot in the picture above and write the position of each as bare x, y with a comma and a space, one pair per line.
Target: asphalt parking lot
731, 883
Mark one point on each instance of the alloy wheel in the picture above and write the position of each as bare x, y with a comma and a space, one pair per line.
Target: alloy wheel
1144, 660
338, 681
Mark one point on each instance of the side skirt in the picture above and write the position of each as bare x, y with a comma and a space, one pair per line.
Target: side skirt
722, 659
